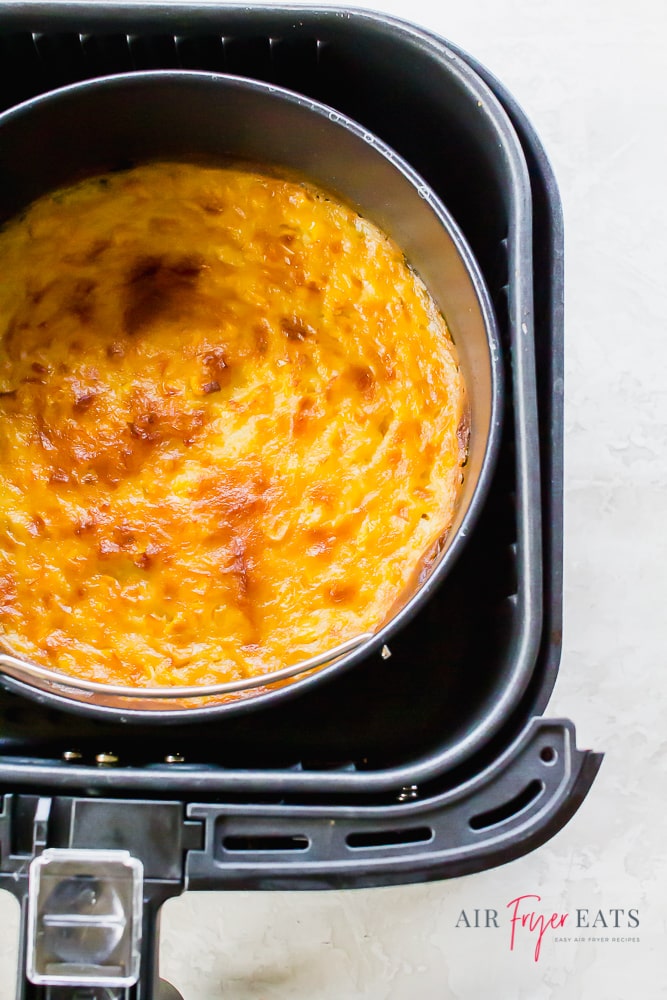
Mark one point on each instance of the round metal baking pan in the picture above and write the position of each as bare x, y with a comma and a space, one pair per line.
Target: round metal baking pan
115, 122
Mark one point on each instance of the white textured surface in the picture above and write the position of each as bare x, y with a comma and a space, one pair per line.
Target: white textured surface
591, 75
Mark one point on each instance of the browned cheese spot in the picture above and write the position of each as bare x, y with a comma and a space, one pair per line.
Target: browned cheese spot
84, 402
146, 559
115, 350
217, 366
232, 498
363, 379
59, 476
36, 525
261, 333
306, 410
80, 302
295, 328
342, 593
157, 288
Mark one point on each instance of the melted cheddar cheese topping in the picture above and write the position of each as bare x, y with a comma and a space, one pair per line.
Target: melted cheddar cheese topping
230, 426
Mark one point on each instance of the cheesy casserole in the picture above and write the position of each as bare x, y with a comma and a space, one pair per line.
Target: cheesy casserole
231, 426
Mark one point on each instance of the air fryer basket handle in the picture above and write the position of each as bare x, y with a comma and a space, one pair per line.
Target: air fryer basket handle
514, 804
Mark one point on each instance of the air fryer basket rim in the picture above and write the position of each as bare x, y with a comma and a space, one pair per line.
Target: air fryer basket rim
351, 29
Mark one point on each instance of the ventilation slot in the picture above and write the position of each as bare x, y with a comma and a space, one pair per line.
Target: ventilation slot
201, 52
154, 52
22, 74
390, 838
62, 57
249, 57
265, 842
508, 810
294, 63
107, 54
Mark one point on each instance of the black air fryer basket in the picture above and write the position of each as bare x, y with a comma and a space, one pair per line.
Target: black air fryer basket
428, 763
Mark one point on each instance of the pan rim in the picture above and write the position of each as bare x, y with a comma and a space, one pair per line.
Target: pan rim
370, 644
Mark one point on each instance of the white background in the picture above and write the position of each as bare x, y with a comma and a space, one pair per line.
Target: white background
592, 76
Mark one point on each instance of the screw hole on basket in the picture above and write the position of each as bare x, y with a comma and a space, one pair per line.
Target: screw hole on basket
548, 755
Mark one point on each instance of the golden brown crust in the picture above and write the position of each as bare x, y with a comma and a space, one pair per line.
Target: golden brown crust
232, 426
